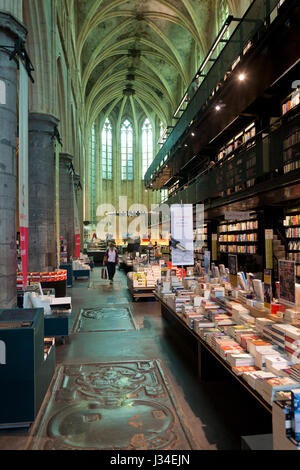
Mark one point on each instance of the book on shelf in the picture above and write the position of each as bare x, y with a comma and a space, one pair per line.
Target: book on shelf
291, 102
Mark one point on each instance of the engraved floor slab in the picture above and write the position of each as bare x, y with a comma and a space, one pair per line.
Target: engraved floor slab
110, 406
105, 318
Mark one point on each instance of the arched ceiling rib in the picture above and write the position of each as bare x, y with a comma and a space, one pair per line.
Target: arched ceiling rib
144, 46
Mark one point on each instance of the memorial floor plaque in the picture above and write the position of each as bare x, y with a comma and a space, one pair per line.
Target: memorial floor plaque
110, 406
105, 318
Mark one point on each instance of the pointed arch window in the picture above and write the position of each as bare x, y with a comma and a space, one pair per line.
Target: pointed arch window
127, 150
222, 15
107, 150
164, 195
147, 145
92, 173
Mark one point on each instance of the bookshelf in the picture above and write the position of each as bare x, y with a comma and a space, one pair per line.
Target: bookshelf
201, 242
291, 102
291, 150
242, 138
292, 232
240, 237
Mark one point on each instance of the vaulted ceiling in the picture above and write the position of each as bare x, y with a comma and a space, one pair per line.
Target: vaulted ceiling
141, 53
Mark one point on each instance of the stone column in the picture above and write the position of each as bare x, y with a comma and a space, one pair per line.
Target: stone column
10, 30
66, 203
42, 215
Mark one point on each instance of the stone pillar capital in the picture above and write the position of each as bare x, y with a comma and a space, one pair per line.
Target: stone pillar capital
12, 25
42, 122
65, 158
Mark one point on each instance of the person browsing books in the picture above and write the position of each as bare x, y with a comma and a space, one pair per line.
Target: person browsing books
111, 259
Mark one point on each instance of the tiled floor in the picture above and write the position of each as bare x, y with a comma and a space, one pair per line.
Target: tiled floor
204, 415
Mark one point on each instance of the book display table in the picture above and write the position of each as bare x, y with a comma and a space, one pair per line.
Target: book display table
140, 292
207, 359
26, 366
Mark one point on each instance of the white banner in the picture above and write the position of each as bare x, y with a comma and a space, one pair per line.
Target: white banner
182, 242
23, 169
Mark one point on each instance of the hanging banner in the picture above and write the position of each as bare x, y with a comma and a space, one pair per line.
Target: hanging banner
287, 280
207, 261
76, 227
268, 296
269, 248
23, 169
233, 269
57, 152
182, 238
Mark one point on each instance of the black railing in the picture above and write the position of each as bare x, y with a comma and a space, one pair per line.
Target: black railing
261, 158
256, 18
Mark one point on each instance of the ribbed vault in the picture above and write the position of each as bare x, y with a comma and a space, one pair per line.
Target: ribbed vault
146, 50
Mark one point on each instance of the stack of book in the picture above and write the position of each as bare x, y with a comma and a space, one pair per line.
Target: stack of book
208, 333
190, 319
257, 345
253, 378
277, 365
260, 357
242, 338
278, 335
295, 372
233, 330
261, 322
240, 360
202, 324
227, 345
271, 386
292, 343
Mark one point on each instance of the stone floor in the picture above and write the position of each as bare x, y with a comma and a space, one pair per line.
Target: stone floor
213, 414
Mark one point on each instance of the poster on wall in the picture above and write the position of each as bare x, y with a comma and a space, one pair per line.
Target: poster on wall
23, 169
268, 295
182, 239
287, 281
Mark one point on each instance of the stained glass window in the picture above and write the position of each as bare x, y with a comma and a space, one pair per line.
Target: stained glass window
147, 145
127, 151
107, 150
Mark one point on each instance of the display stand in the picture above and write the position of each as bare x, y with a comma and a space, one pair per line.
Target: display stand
69, 269
140, 292
25, 370
57, 324
81, 273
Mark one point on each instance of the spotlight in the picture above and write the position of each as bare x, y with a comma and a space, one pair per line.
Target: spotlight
218, 107
242, 77
193, 134
185, 145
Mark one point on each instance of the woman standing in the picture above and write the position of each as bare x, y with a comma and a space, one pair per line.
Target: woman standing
111, 259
